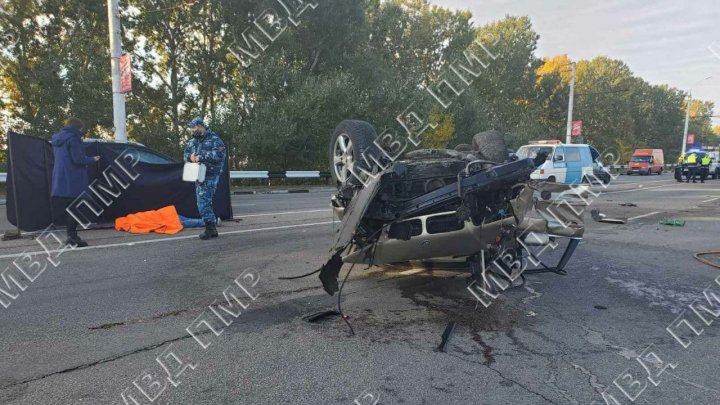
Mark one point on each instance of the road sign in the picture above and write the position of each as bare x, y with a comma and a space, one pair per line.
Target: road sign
125, 74
576, 128
691, 139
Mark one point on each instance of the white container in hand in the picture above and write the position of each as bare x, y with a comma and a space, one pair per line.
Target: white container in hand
194, 172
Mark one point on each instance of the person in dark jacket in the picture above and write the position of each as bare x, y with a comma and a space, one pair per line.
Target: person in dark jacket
207, 148
70, 173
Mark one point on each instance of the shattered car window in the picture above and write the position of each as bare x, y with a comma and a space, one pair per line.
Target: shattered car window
531, 152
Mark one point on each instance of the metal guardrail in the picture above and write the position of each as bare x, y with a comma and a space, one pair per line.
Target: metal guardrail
297, 174
278, 174
669, 165
257, 174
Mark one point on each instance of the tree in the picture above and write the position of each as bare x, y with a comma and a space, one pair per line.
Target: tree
603, 102
52, 53
357, 59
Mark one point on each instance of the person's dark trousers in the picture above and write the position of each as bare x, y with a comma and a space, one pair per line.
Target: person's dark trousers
703, 173
691, 174
60, 205
678, 173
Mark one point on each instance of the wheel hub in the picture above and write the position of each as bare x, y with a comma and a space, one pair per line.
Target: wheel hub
343, 158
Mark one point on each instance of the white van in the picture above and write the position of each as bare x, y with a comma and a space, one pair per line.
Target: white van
565, 163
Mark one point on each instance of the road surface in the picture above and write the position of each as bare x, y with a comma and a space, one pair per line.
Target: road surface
85, 330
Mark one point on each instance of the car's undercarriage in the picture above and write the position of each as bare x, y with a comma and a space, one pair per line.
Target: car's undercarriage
473, 203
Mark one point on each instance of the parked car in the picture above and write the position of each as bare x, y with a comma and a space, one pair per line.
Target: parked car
565, 163
714, 170
144, 153
646, 161
470, 203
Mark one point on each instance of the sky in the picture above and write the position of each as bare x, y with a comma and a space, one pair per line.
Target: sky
663, 41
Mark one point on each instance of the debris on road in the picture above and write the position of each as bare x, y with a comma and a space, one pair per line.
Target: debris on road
672, 222
600, 217
318, 316
628, 204
449, 329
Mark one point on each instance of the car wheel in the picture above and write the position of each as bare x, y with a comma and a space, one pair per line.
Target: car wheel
606, 179
349, 142
551, 179
491, 146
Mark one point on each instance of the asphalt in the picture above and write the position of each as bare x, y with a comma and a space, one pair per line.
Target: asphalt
86, 330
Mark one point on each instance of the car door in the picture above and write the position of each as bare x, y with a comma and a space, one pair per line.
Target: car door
559, 167
574, 164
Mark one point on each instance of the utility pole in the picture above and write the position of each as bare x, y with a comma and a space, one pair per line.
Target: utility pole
687, 114
687, 122
568, 132
115, 53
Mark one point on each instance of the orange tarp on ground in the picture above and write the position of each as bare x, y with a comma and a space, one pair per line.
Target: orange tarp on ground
165, 220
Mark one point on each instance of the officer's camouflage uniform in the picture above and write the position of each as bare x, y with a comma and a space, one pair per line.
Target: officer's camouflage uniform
211, 150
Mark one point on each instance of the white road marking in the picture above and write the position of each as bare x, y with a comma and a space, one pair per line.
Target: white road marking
140, 242
281, 213
644, 215
617, 181
711, 199
634, 189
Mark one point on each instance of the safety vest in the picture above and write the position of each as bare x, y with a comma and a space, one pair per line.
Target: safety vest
705, 161
692, 159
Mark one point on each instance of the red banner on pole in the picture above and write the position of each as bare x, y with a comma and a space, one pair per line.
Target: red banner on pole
576, 128
691, 139
125, 74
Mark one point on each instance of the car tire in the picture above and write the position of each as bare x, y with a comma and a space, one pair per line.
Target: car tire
606, 179
491, 146
349, 142
551, 179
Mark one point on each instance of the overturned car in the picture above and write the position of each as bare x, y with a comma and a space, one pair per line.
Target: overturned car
474, 203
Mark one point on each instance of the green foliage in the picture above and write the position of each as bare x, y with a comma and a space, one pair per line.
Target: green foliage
358, 59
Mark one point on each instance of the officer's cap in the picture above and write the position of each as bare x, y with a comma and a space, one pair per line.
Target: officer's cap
197, 121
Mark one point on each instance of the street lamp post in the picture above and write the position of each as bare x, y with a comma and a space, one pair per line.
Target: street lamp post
687, 115
568, 131
687, 122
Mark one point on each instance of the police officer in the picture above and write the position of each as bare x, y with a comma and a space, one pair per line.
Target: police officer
704, 167
207, 148
691, 167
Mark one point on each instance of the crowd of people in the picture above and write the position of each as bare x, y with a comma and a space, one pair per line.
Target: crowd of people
70, 173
